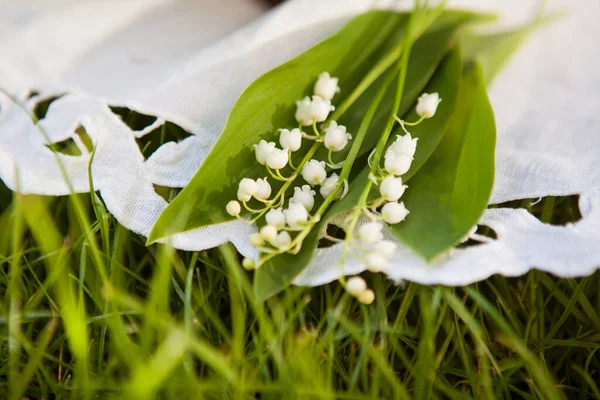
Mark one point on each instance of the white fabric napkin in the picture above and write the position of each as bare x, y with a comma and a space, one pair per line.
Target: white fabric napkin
186, 62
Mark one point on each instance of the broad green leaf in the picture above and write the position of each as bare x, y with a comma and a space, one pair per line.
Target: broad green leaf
279, 272
449, 194
269, 104
426, 54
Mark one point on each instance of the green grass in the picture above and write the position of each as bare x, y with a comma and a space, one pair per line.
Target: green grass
87, 311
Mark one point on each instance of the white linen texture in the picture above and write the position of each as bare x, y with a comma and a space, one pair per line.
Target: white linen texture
187, 62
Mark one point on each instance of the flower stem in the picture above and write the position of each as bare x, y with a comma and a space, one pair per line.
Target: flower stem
383, 139
417, 122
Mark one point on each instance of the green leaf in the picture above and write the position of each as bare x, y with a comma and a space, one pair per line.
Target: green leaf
278, 273
269, 104
451, 191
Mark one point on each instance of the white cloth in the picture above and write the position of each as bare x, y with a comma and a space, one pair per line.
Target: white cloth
179, 61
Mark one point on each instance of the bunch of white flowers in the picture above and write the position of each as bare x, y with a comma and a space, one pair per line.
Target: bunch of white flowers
374, 250
284, 228
281, 223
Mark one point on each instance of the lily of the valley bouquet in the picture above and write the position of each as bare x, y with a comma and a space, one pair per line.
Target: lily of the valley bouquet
383, 132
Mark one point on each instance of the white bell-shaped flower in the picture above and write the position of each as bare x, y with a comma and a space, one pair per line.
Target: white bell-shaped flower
268, 232
367, 297
329, 184
386, 249
391, 188
282, 240
320, 109
393, 212
256, 239
304, 195
427, 104
336, 137
371, 232
291, 140
277, 159
246, 189
314, 172
263, 189
356, 286
296, 216
276, 218
375, 262
262, 151
326, 87
233, 208
303, 111
396, 164
404, 145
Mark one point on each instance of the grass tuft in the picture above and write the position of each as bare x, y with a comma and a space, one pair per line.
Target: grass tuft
87, 311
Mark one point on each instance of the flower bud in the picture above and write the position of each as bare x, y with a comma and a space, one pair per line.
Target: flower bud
268, 232
329, 184
326, 87
256, 239
248, 263
303, 111
233, 208
375, 262
277, 159
282, 240
263, 189
396, 164
427, 104
304, 195
394, 212
296, 216
246, 189
336, 137
291, 140
386, 248
314, 172
392, 188
320, 109
356, 286
367, 297
276, 218
262, 150
404, 145
371, 232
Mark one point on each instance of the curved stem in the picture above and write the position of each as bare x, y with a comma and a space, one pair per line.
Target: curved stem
312, 137
317, 133
266, 202
377, 202
252, 210
417, 122
290, 161
331, 238
332, 164
277, 175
